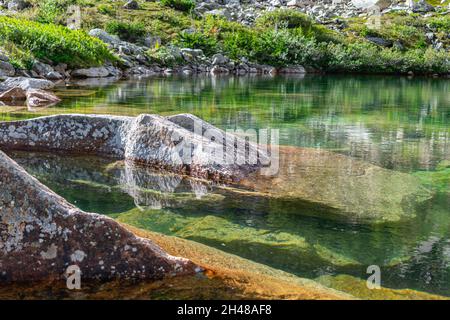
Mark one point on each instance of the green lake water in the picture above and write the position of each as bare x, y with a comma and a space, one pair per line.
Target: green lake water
394, 122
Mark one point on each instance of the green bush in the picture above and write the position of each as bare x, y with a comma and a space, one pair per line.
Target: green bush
50, 11
106, 9
286, 18
128, 31
238, 44
197, 40
281, 47
181, 5
56, 43
365, 57
20, 59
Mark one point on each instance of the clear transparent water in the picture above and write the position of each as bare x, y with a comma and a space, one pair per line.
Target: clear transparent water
396, 123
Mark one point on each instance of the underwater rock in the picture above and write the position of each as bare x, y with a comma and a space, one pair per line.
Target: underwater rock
358, 288
42, 235
150, 140
40, 98
293, 251
308, 182
313, 181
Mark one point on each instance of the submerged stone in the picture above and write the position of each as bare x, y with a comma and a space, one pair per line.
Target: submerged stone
293, 251
309, 181
149, 140
42, 235
438, 179
339, 185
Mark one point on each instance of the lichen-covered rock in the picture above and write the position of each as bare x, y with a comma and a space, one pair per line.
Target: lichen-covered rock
97, 72
26, 83
41, 235
148, 139
40, 98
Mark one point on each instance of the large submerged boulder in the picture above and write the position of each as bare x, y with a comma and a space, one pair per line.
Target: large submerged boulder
166, 143
308, 181
42, 235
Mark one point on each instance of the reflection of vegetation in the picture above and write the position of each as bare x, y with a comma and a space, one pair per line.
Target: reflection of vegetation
398, 123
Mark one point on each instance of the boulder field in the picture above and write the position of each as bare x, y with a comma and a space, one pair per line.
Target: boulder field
308, 181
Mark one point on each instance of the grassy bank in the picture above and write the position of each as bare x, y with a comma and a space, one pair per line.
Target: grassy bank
279, 38
26, 40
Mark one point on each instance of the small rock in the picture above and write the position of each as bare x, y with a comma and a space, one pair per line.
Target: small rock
13, 94
131, 5
104, 36
17, 5
292, 70
379, 41
6, 69
97, 72
219, 70
40, 98
219, 59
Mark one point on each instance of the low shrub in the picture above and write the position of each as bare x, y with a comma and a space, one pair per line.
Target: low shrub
128, 31
286, 18
57, 43
106, 9
20, 59
197, 40
365, 57
181, 5
281, 47
51, 11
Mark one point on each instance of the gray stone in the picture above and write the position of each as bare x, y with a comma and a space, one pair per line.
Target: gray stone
191, 55
42, 235
131, 5
166, 143
379, 41
104, 36
54, 75
152, 41
422, 7
295, 3
26, 83
219, 70
40, 98
18, 5
292, 70
96, 72
219, 59
6, 69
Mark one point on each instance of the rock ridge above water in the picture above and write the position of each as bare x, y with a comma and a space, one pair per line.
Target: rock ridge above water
42, 235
